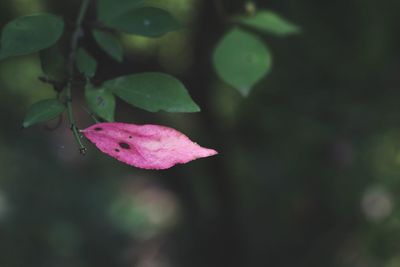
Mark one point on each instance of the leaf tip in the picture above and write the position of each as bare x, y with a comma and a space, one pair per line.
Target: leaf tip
212, 152
196, 108
244, 91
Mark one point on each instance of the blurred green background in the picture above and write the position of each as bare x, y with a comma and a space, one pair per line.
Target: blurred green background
309, 167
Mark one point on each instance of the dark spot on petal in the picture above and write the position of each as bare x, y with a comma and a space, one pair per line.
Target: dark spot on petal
116, 150
130, 137
97, 129
124, 145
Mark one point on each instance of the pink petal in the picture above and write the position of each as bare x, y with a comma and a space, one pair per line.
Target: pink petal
145, 146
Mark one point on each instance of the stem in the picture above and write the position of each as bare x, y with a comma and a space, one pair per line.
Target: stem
76, 35
82, 12
72, 122
219, 7
91, 114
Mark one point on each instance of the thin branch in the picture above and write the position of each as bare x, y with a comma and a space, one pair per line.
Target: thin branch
220, 9
91, 114
76, 35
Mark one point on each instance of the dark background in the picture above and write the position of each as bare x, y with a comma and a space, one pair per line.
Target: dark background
309, 167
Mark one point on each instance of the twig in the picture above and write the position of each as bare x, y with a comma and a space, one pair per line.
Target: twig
91, 114
76, 35
220, 9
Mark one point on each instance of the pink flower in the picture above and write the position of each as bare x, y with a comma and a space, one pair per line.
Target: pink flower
145, 146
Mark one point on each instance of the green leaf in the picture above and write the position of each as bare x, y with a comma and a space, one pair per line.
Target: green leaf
109, 43
53, 64
153, 92
110, 9
269, 22
42, 111
30, 34
241, 60
101, 102
146, 21
85, 63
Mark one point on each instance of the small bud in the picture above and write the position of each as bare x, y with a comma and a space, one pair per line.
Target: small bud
250, 8
82, 151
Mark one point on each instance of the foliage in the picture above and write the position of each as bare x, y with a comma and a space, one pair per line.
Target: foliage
42, 111
101, 101
240, 59
309, 168
30, 34
109, 43
153, 92
41, 32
